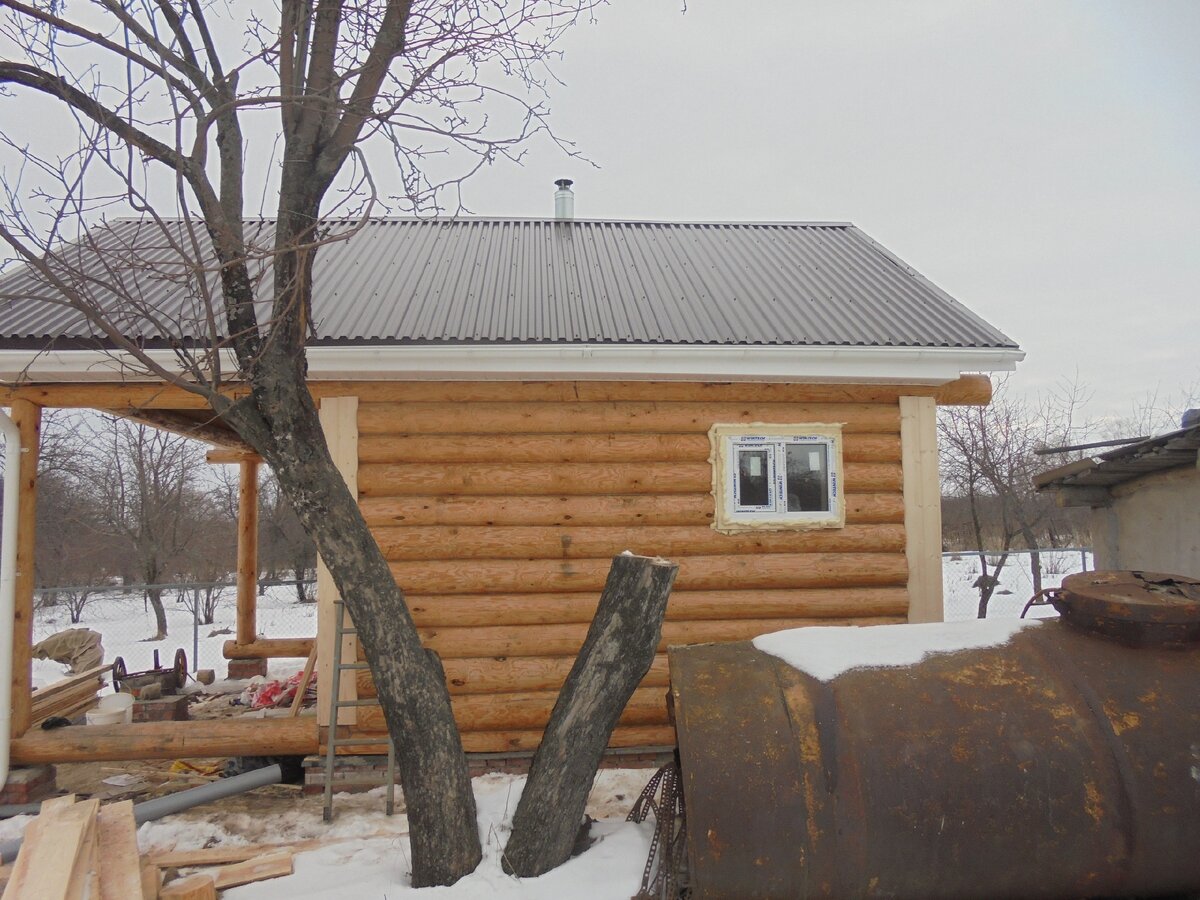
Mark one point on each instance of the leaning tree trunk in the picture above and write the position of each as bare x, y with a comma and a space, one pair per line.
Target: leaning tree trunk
411, 686
616, 656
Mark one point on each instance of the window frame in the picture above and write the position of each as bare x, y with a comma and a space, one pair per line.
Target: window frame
729, 441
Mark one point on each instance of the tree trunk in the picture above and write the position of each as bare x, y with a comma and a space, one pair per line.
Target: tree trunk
154, 597
412, 689
619, 649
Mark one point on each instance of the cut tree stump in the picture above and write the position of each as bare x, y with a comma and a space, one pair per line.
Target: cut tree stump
618, 652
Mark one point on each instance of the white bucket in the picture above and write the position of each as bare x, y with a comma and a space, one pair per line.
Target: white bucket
112, 710
107, 716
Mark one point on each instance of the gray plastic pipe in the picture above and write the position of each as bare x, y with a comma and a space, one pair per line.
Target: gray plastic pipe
150, 810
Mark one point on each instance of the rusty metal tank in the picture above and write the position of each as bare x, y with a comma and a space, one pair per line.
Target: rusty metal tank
1062, 763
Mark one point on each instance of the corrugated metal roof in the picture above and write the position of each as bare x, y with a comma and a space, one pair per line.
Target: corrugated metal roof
1156, 454
476, 280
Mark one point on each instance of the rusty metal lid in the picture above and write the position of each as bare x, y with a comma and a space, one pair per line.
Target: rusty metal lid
1137, 608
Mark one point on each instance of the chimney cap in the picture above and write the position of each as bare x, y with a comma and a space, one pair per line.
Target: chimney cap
564, 184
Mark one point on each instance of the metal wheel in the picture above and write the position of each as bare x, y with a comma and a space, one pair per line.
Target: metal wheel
181, 668
119, 673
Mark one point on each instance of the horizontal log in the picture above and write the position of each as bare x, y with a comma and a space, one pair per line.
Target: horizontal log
506, 417
780, 570
966, 390
553, 609
510, 741
523, 711
629, 509
548, 448
536, 542
269, 648
565, 640
168, 740
540, 479
520, 674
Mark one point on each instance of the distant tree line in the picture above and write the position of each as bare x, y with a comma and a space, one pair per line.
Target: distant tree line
121, 503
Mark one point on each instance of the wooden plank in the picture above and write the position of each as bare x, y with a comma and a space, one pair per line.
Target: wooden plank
70, 682
260, 868
54, 841
28, 419
625, 510
508, 417
247, 553
305, 677
434, 611
532, 479
548, 448
56, 804
201, 886
339, 419
151, 882
778, 570
85, 878
168, 740
540, 542
120, 872
922, 508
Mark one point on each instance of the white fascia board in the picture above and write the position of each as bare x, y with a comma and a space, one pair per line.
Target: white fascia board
557, 362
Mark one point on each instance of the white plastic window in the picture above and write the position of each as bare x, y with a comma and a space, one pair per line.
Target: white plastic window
777, 476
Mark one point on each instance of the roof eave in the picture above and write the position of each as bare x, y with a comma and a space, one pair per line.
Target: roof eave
560, 362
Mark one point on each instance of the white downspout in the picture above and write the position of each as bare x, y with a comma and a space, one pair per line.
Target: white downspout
8, 580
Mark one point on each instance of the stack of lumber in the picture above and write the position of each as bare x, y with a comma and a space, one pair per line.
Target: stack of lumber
83, 851
70, 696
78, 850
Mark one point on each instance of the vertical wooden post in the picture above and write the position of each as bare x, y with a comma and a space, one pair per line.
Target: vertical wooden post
339, 419
28, 418
247, 571
922, 508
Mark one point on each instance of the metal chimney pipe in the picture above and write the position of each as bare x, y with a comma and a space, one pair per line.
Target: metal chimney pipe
564, 199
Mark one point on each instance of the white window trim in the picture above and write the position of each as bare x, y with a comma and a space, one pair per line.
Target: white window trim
726, 439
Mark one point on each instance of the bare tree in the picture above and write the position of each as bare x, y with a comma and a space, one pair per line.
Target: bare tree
988, 461
159, 87
283, 543
144, 481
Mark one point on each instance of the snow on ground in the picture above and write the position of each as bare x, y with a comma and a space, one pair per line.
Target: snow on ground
126, 621
960, 571
826, 653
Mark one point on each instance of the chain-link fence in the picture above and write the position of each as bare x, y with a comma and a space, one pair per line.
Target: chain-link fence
199, 619
962, 573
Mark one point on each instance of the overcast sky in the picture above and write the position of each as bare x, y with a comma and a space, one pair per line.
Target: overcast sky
1039, 161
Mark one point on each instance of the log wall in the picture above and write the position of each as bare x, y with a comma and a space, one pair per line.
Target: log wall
499, 508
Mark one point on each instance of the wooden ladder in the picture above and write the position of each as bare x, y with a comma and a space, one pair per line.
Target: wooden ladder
336, 703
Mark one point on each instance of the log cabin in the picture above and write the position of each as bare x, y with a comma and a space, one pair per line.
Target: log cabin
515, 401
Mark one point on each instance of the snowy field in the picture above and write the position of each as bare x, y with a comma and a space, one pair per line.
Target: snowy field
127, 621
960, 571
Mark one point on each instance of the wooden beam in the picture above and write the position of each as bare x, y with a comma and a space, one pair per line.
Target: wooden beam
247, 570
200, 429
28, 419
922, 508
168, 740
224, 456
120, 874
339, 419
270, 648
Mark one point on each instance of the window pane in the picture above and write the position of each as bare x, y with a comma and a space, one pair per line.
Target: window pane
807, 478
753, 479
